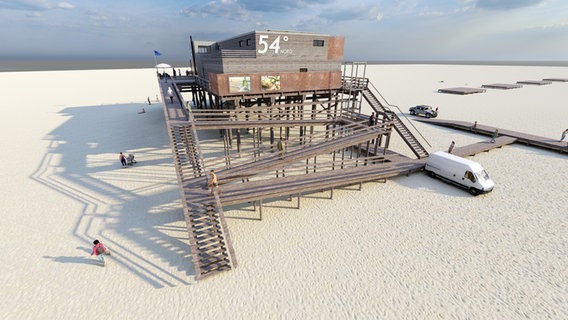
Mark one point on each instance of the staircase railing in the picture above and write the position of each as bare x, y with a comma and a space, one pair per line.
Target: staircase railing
403, 114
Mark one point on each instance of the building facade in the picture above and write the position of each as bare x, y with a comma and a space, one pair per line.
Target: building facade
264, 62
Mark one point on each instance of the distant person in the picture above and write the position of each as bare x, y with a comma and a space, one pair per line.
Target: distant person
214, 184
100, 251
280, 146
175, 73
171, 94
143, 111
451, 148
372, 119
149, 102
494, 135
564, 133
122, 159
475, 124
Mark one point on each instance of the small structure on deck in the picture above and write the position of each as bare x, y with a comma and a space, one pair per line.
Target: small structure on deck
461, 90
505, 86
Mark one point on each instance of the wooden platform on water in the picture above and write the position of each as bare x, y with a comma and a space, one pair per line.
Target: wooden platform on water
535, 82
461, 90
520, 137
505, 86
556, 79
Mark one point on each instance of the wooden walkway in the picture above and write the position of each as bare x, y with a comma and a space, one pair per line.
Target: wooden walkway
524, 138
209, 240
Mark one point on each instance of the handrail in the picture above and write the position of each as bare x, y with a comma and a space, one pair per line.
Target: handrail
403, 114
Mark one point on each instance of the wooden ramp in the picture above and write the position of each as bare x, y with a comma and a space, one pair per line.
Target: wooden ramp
524, 138
210, 244
484, 146
301, 152
292, 185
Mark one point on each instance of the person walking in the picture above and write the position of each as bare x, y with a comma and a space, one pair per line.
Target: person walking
171, 94
100, 251
214, 184
494, 135
122, 159
451, 147
564, 133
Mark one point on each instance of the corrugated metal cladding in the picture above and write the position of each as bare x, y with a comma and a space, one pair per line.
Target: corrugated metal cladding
301, 61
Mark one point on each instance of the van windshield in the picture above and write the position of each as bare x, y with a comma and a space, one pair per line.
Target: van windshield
482, 175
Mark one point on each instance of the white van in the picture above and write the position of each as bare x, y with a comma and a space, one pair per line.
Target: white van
462, 172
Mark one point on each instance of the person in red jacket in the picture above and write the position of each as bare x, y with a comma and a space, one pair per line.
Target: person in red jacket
100, 250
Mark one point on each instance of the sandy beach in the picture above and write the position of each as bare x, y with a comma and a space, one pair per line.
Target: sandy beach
410, 248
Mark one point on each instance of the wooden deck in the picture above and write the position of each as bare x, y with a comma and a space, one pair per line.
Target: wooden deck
524, 138
535, 82
461, 90
504, 86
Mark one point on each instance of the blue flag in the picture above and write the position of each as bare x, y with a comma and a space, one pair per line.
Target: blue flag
156, 53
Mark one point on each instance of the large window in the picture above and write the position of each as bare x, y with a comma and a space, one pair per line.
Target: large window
249, 42
318, 43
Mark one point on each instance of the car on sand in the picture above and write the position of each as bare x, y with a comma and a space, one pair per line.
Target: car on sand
423, 110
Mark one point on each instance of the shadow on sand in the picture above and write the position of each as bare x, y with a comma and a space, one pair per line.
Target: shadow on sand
82, 163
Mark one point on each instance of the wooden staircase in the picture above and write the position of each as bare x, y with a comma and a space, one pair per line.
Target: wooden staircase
399, 126
208, 235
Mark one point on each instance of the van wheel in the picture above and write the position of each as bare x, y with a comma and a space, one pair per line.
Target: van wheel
431, 174
473, 191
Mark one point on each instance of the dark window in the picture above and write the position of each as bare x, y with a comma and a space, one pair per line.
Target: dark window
249, 42
303, 69
241, 43
203, 49
318, 43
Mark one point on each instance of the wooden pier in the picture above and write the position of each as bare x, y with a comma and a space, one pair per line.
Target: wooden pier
504, 135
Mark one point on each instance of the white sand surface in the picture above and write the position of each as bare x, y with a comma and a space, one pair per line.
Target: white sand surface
411, 248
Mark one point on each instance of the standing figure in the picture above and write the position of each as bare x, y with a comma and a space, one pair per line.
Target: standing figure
494, 135
122, 159
149, 102
100, 250
280, 146
451, 147
171, 94
564, 133
214, 184
372, 119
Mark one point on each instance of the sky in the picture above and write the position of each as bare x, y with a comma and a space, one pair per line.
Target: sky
374, 30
